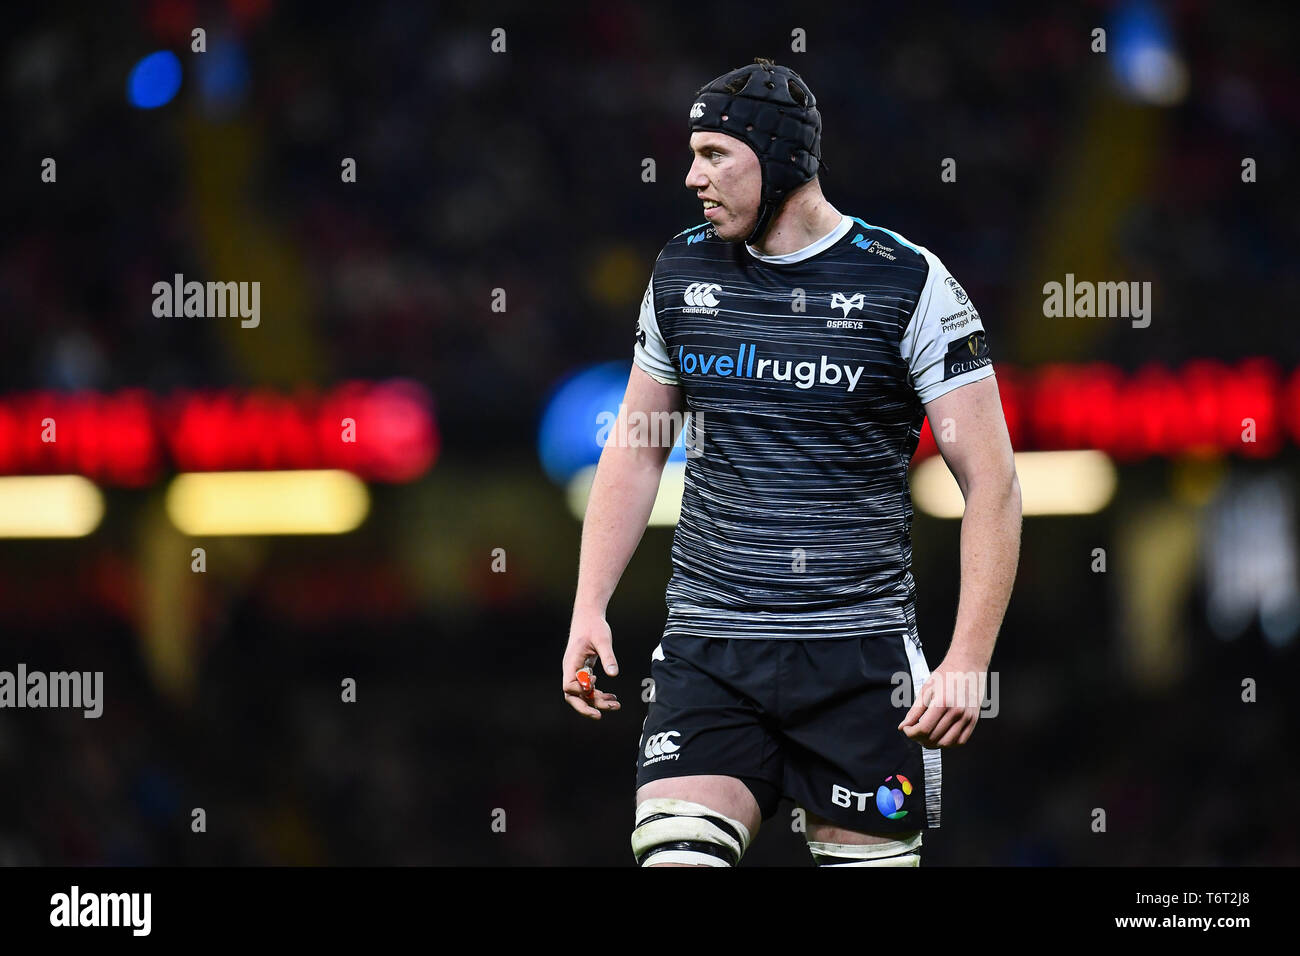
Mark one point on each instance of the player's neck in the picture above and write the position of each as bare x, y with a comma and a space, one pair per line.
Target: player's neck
804, 218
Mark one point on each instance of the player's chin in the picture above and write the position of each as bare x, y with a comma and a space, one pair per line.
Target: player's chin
736, 230
730, 231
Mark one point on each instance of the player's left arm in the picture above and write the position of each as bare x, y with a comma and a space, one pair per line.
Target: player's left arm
971, 433
948, 358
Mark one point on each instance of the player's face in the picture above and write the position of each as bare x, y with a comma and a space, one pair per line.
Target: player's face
726, 171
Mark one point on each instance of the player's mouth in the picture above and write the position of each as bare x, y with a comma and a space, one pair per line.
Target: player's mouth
709, 206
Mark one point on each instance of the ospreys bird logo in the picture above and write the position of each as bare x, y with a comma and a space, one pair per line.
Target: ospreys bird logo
855, 301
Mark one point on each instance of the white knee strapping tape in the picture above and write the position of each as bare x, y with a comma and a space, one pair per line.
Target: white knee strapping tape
890, 853
685, 820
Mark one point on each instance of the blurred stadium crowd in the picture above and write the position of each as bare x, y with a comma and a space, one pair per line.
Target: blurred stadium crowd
522, 171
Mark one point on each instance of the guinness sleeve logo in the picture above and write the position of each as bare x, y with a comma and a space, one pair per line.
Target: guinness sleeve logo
966, 354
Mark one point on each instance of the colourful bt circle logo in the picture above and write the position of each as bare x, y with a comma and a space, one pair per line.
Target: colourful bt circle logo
889, 799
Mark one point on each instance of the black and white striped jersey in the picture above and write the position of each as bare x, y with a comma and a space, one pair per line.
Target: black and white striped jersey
805, 375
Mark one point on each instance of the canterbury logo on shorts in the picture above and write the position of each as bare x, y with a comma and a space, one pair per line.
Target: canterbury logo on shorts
661, 747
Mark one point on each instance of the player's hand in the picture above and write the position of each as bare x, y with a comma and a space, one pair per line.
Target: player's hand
589, 640
944, 714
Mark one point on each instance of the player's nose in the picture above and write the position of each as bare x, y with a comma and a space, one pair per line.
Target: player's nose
694, 178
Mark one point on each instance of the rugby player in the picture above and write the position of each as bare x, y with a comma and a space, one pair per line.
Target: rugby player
806, 347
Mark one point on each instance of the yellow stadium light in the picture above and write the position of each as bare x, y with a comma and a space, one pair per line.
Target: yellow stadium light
267, 502
668, 502
49, 506
1051, 483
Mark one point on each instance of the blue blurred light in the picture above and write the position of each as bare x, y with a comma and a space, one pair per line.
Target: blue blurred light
223, 74
566, 439
154, 80
1143, 56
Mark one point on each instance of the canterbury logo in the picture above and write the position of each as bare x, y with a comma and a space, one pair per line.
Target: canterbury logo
855, 301
697, 110
701, 294
660, 744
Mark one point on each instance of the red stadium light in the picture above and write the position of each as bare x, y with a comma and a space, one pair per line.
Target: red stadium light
1204, 408
131, 437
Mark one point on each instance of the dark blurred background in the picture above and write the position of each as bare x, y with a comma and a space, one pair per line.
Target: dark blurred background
522, 171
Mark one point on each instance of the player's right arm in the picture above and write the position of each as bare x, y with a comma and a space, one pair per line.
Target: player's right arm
622, 495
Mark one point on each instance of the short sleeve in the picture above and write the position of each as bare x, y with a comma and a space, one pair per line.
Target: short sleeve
650, 352
944, 344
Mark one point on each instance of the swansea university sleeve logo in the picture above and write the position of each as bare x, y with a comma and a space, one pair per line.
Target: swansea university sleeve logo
957, 291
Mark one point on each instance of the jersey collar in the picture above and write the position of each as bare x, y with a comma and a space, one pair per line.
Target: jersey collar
807, 252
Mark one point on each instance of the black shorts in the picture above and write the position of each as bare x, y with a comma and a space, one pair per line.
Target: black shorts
812, 720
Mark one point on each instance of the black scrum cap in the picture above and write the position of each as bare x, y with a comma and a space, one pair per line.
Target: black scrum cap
771, 109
